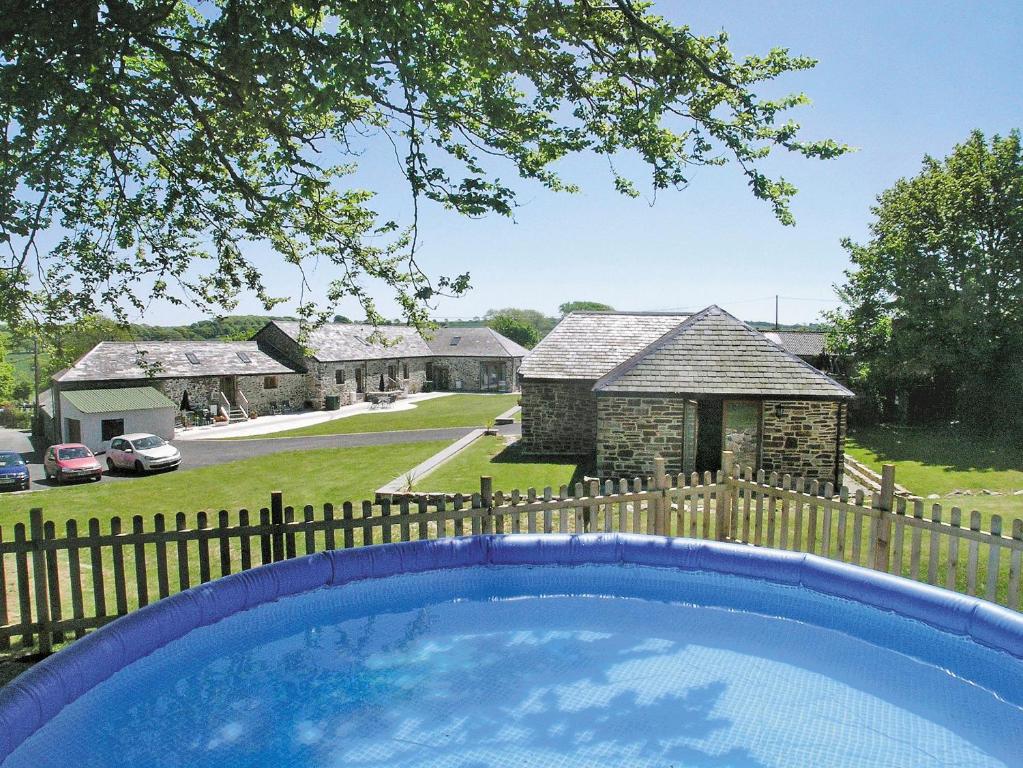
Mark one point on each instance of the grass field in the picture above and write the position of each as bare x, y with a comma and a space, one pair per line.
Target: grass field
439, 413
940, 459
506, 464
305, 477
943, 459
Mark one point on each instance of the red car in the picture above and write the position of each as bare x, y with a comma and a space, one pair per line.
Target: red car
71, 461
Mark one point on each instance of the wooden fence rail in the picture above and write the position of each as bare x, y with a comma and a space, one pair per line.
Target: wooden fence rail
55, 585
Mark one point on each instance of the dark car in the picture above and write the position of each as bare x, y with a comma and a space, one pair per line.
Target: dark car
13, 472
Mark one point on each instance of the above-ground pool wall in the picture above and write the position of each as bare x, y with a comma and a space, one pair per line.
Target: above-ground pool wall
632, 430
559, 417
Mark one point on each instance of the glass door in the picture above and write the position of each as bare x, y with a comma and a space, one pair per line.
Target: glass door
741, 432
690, 430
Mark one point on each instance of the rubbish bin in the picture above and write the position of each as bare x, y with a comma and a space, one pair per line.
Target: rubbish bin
332, 402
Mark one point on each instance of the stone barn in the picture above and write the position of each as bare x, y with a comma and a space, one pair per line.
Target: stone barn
626, 387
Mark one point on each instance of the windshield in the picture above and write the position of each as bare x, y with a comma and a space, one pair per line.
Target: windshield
148, 442
80, 452
11, 460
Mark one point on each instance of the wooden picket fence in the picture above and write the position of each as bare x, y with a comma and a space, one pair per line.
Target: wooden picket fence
57, 585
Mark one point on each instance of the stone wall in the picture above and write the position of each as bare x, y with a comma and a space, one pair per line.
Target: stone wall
202, 390
280, 345
559, 418
290, 386
323, 377
804, 438
632, 430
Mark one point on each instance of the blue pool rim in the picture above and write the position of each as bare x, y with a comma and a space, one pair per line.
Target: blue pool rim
37, 695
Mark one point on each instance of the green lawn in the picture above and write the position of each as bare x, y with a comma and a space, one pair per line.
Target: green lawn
510, 469
940, 459
441, 412
305, 477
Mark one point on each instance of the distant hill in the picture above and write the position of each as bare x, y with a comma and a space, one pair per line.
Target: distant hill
229, 327
763, 325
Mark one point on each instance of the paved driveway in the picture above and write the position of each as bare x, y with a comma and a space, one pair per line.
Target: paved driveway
204, 453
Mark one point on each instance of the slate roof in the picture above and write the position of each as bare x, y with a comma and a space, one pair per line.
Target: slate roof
114, 400
586, 345
473, 342
343, 341
802, 343
112, 360
713, 352
335, 342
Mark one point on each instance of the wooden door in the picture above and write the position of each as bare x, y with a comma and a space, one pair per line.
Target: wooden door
228, 386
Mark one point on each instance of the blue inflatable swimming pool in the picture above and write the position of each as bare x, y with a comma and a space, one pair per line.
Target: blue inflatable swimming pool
535, 650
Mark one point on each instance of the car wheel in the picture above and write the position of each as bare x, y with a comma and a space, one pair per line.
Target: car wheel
110, 465
59, 477
139, 468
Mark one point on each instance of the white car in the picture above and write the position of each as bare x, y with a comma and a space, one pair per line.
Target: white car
141, 452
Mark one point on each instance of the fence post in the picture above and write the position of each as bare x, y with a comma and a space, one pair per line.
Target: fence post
660, 511
726, 497
277, 525
487, 501
883, 502
42, 595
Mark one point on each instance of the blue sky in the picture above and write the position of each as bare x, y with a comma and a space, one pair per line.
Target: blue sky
896, 80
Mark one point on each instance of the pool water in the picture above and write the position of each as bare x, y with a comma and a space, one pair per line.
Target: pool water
606, 665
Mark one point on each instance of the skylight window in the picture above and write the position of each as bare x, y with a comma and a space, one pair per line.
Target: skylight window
455, 340
244, 357
192, 358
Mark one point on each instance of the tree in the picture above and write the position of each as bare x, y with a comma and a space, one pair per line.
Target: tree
540, 322
6, 374
516, 330
60, 347
22, 391
933, 305
154, 141
584, 306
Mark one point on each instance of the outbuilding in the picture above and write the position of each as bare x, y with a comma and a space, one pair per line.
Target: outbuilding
625, 388
95, 416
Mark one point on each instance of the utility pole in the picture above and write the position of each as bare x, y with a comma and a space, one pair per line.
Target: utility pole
35, 376
776, 311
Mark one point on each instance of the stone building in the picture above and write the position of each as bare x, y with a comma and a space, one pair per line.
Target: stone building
279, 369
233, 376
626, 387
349, 360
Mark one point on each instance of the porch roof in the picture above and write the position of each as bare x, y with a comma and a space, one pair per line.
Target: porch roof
115, 400
713, 352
